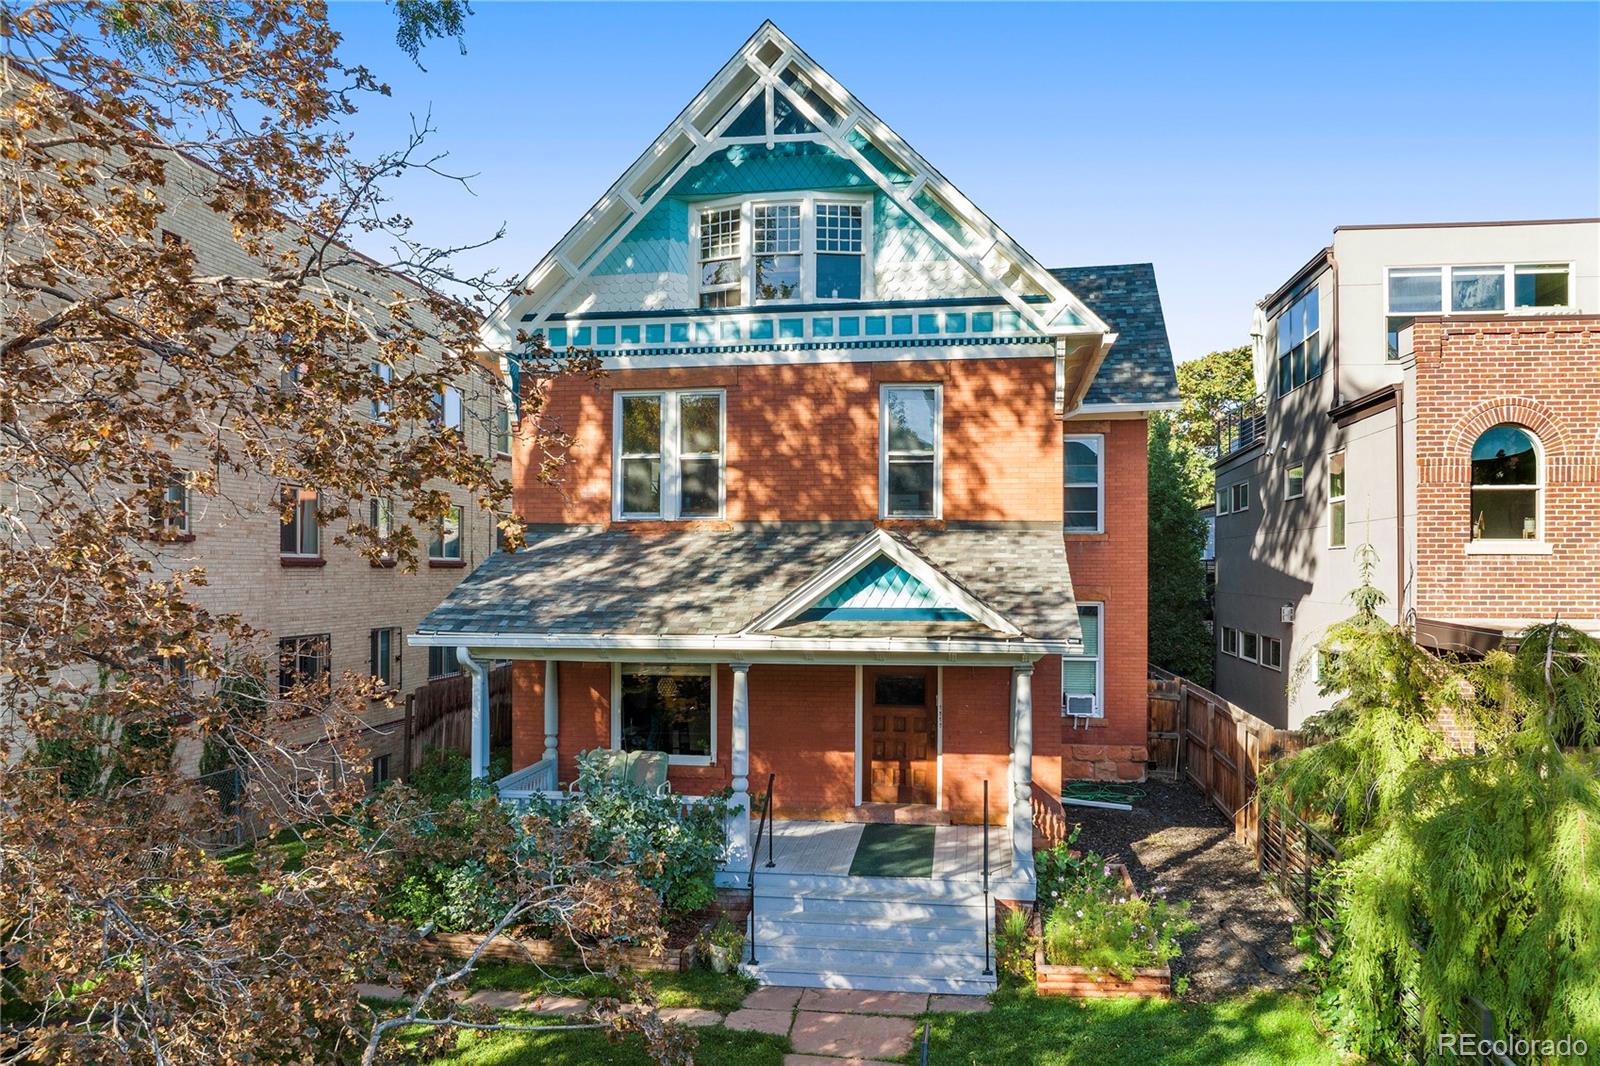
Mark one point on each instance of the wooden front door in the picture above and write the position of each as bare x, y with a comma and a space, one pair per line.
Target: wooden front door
901, 734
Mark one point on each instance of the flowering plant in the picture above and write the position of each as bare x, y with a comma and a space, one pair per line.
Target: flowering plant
1093, 919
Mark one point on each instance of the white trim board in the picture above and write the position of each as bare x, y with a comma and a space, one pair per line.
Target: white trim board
745, 647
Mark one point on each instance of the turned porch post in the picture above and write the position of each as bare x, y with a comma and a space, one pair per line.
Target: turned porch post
552, 710
739, 826
1022, 770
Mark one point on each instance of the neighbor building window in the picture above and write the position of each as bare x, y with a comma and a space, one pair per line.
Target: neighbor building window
442, 662
380, 770
171, 512
1085, 483
1411, 291
1542, 285
1477, 288
910, 463
1294, 484
1222, 500
1299, 344
502, 429
384, 373
383, 661
298, 536
1505, 485
1272, 653
444, 546
1240, 500
1336, 500
447, 408
668, 453
303, 661
1230, 640
1082, 675
669, 709
1249, 646
811, 247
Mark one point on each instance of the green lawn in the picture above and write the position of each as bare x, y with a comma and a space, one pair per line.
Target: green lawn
694, 988
1266, 1029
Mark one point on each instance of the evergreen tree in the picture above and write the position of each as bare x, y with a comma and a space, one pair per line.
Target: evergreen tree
1179, 641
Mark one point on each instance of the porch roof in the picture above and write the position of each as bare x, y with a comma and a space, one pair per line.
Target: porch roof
618, 587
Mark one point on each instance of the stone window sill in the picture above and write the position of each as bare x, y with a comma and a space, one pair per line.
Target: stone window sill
1510, 547
446, 564
301, 561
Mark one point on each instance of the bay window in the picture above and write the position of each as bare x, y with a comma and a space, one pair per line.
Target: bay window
909, 451
668, 454
839, 251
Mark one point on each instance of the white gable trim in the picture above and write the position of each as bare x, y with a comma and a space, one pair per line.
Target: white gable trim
994, 248
867, 549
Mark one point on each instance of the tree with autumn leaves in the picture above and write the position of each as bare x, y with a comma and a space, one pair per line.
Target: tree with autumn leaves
135, 360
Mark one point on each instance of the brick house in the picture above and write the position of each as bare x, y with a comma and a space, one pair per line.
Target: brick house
1427, 391
860, 502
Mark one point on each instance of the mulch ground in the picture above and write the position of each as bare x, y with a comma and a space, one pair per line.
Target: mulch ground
1174, 838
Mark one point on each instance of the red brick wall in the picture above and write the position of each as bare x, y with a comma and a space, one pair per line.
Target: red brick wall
803, 728
1111, 568
1542, 374
802, 440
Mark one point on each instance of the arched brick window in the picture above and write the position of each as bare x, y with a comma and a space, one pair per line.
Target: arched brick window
1507, 469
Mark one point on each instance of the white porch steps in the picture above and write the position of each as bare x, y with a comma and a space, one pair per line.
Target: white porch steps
886, 934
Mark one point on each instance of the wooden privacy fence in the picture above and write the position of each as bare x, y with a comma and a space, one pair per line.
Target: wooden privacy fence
1221, 747
439, 715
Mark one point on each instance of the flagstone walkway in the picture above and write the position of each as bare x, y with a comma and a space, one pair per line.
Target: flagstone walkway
826, 1026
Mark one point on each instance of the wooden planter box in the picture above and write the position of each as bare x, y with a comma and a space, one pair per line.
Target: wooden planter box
1085, 983
557, 952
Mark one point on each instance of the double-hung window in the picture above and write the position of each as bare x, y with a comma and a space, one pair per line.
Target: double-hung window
775, 242
384, 659
1294, 484
298, 535
666, 708
668, 454
171, 512
1299, 344
910, 464
1230, 640
1084, 493
1240, 500
444, 546
721, 257
839, 251
303, 661
500, 445
1082, 676
383, 374
1336, 500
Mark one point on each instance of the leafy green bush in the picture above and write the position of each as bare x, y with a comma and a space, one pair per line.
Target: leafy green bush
458, 897
1014, 946
444, 775
1095, 920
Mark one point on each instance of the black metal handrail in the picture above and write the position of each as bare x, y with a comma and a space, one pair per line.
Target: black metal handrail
988, 915
755, 850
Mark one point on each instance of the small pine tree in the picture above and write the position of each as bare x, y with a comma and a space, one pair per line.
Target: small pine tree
1178, 638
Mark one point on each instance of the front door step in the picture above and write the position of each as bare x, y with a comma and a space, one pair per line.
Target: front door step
898, 814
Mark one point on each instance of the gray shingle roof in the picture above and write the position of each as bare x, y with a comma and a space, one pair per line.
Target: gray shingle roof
1138, 368
618, 581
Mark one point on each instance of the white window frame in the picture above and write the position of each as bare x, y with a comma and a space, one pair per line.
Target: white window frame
1446, 270
385, 374
500, 412
1099, 667
1343, 497
445, 421
670, 456
1098, 442
1243, 633
1224, 496
1546, 267
301, 525
1222, 641
685, 668
176, 522
807, 202
1512, 545
1262, 640
883, 447
1288, 480
437, 534
1234, 506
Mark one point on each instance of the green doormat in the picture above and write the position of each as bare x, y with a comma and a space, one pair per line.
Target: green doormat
894, 851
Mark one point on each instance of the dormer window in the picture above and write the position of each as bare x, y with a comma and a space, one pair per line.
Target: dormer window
811, 247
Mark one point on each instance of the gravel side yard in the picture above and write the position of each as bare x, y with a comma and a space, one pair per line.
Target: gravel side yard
1173, 837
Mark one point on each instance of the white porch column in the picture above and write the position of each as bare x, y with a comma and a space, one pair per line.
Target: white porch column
1022, 771
552, 710
480, 712
739, 826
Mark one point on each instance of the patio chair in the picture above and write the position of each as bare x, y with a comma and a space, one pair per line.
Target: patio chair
643, 769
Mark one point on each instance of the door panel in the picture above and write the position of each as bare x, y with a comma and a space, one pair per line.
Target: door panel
902, 725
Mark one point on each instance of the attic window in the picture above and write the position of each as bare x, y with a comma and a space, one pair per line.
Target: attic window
813, 246
720, 266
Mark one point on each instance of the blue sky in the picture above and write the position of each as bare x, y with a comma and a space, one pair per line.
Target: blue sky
1221, 142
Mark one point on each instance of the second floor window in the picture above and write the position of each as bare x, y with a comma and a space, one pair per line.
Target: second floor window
668, 455
385, 662
1336, 500
299, 537
910, 461
171, 513
303, 661
1299, 344
501, 445
447, 409
384, 375
1085, 461
1472, 289
445, 544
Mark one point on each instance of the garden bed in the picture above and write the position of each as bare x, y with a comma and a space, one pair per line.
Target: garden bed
1086, 982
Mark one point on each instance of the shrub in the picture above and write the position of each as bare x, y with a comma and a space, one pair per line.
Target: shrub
1094, 920
444, 775
1014, 946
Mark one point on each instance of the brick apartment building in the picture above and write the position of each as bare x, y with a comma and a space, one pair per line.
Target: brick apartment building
1428, 391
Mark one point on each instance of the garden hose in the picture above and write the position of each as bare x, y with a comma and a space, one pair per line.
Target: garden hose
1101, 791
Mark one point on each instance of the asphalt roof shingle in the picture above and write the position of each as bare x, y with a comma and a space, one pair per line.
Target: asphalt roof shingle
616, 581
1138, 369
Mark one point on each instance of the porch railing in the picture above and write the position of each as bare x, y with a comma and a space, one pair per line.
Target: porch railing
529, 781
755, 851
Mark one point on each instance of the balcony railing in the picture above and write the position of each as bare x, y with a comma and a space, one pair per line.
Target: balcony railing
1242, 428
